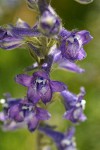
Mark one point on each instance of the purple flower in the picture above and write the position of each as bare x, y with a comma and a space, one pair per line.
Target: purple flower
49, 23
8, 123
63, 141
74, 105
39, 86
13, 37
62, 62
71, 46
29, 114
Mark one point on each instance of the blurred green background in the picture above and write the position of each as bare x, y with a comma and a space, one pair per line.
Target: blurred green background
74, 16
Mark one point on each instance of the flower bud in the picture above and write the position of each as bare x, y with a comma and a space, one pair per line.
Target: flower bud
49, 23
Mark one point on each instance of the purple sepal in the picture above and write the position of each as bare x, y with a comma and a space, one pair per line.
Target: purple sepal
25, 32
64, 33
23, 79
10, 42
74, 105
16, 114
63, 63
42, 114
85, 36
63, 141
66, 64
58, 86
33, 124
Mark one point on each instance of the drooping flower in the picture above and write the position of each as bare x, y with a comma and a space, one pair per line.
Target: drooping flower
29, 114
74, 105
72, 43
63, 141
40, 86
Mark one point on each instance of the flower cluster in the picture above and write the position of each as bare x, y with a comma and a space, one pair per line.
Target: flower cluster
51, 46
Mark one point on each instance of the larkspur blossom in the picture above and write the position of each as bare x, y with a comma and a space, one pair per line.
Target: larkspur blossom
71, 46
40, 86
19, 113
63, 141
28, 113
74, 105
63, 63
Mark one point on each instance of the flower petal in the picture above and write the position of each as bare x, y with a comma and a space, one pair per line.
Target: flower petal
9, 43
33, 124
42, 114
33, 95
46, 94
22, 32
65, 64
16, 114
23, 79
58, 86
82, 54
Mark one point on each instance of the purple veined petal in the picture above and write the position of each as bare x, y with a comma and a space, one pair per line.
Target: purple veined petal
70, 99
42, 114
21, 24
55, 135
75, 115
16, 114
69, 116
33, 124
64, 33
84, 36
33, 95
23, 79
10, 43
71, 50
70, 133
46, 94
66, 64
82, 54
57, 86
22, 32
